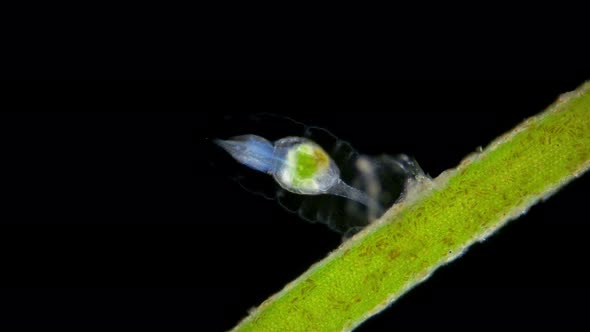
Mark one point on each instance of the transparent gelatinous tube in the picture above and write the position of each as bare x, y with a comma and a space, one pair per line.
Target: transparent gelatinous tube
314, 174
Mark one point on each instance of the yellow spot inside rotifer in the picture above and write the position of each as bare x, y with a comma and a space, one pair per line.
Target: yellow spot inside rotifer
309, 161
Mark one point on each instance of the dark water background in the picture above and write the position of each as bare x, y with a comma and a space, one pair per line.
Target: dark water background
112, 217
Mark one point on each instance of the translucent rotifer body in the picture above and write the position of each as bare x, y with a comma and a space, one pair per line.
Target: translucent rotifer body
299, 165
314, 174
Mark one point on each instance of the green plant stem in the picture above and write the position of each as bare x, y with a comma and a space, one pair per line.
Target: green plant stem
436, 224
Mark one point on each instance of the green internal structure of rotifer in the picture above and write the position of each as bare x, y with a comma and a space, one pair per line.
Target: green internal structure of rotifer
308, 160
432, 227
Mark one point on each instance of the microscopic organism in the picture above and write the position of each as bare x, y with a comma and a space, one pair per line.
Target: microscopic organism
317, 175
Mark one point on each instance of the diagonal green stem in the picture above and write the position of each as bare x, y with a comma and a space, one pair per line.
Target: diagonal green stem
435, 225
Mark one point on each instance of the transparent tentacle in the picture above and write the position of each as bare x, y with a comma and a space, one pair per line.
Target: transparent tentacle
346, 191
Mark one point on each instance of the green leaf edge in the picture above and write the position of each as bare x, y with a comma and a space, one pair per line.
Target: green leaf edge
435, 223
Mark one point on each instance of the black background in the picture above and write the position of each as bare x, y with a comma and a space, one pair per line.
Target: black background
113, 220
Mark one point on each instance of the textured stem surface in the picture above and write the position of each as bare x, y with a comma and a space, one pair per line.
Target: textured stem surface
436, 224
